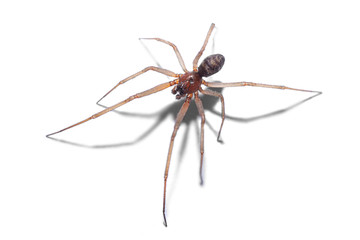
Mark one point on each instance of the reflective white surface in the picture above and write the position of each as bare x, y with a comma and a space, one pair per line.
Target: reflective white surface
293, 175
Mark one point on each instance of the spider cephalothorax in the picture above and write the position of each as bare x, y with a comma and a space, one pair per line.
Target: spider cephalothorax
190, 82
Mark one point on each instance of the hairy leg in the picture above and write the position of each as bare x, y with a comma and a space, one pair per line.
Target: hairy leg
202, 114
178, 55
219, 95
179, 118
156, 69
138, 95
243, 84
196, 59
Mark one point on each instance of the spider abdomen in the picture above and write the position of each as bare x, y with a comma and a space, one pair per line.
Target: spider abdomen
211, 65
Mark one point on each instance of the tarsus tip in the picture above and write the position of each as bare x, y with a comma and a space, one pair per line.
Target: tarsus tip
165, 222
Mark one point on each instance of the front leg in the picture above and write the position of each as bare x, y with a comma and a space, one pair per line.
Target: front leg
179, 118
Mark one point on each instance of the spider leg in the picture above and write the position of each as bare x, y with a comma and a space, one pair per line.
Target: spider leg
196, 60
156, 69
179, 118
242, 84
202, 114
219, 95
178, 55
138, 95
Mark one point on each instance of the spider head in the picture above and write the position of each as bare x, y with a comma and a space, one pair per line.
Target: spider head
211, 65
188, 83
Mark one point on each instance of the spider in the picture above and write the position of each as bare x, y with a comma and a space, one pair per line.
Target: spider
185, 85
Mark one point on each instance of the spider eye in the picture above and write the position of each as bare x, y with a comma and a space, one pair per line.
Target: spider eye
191, 80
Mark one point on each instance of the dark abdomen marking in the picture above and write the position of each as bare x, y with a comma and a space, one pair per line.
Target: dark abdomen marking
211, 65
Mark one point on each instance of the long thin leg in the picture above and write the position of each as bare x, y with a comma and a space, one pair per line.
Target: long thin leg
152, 68
202, 114
138, 95
219, 95
196, 60
242, 84
178, 55
179, 118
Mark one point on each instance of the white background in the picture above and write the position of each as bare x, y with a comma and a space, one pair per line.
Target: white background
293, 175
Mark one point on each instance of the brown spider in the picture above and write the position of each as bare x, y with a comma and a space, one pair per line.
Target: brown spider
187, 85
